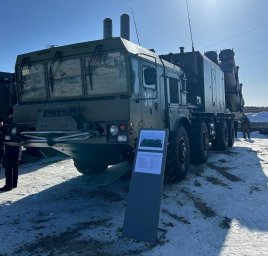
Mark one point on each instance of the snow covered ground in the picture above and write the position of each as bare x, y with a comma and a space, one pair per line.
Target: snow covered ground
221, 208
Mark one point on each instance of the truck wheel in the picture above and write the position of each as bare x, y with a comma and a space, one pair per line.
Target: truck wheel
221, 138
90, 168
178, 158
199, 142
231, 135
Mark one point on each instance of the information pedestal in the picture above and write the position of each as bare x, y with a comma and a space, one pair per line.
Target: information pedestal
144, 197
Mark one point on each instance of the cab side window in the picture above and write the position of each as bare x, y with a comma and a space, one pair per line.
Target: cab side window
174, 90
149, 77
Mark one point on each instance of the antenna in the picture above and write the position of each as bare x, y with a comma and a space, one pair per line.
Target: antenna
134, 22
190, 25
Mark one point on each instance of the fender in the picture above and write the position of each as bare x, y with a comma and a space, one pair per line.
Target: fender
182, 120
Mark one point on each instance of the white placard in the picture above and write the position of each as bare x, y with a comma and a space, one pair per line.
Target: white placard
149, 162
152, 140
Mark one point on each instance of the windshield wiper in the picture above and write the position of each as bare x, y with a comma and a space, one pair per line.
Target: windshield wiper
57, 55
90, 74
92, 61
23, 62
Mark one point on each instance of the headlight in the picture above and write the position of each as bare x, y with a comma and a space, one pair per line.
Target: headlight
14, 131
114, 130
7, 137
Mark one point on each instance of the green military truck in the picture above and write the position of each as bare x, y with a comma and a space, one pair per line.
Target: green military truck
89, 100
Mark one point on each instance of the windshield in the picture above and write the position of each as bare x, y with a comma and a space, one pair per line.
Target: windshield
106, 74
65, 78
32, 82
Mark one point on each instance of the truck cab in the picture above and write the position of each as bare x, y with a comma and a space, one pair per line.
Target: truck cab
89, 100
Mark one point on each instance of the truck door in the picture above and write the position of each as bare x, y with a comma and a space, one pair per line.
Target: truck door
136, 115
214, 88
174, 99
150, 104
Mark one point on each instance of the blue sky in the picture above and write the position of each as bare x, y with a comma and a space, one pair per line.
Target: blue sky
30, 25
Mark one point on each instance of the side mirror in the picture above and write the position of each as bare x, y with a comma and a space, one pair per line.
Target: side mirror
150, 76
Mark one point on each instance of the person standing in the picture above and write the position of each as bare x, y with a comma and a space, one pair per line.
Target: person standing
1, 142
245, 126
11, 164
235, 128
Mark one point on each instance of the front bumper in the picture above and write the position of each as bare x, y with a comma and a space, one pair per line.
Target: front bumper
17, 134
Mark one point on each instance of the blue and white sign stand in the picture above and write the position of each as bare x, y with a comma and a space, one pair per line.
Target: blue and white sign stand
144, 197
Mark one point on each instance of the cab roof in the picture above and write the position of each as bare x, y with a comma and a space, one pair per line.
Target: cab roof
104, 45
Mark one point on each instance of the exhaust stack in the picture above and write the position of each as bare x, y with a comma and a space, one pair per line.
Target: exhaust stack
107, 28
124, 26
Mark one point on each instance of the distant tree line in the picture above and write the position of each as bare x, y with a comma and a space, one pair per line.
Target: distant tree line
254, 109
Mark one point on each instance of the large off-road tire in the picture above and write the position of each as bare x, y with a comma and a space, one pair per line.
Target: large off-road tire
221, 139
90, 168
178, 158
231, 133
199, 142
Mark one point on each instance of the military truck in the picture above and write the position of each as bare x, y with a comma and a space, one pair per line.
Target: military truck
89, 100
7, 93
